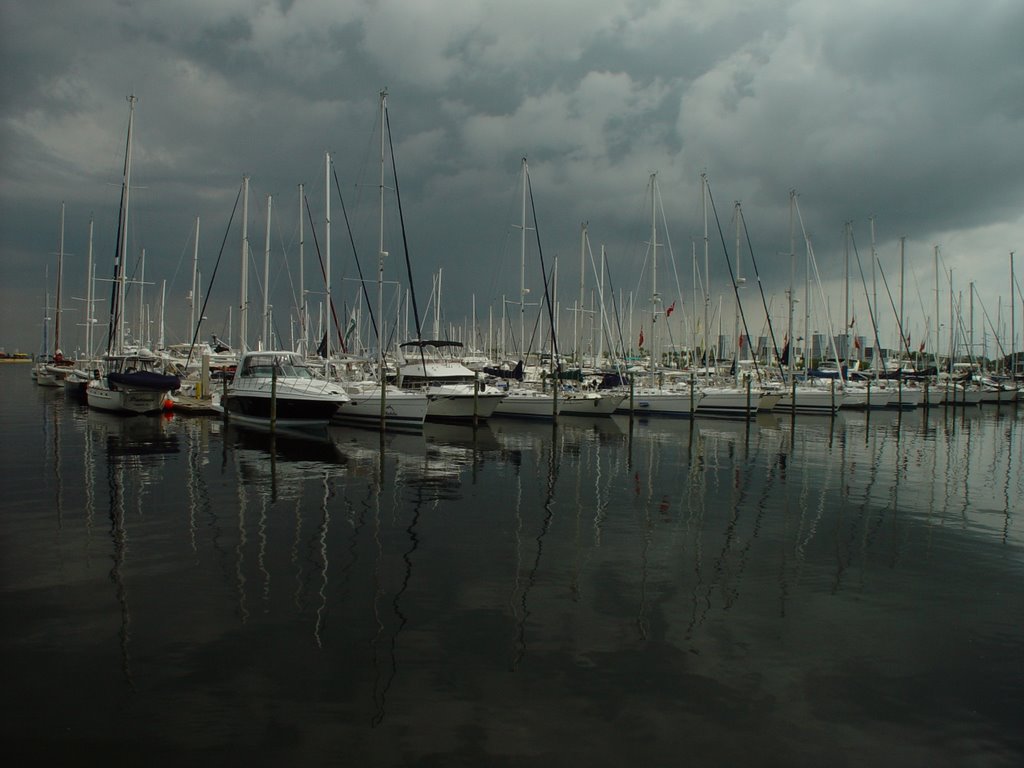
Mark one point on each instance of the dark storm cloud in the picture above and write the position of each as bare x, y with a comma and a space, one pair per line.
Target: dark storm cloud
910, 113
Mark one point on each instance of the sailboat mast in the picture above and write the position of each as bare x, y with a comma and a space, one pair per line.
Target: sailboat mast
504, 324
45, 346
143, 327
695, 323
903, 266
124, 228
1013, 324
243, 307
327, 253
937, 324
654, 269
877, 357
437, 305
195, 282
266, 280
554, 321
578, 325
89, 296
739, 282
302, 279
60, 285
707, 275
600, 333
952, 325
718, 347
381, 253
792, 279
160, 326
808, 346
522, 269
970, 320
847, 230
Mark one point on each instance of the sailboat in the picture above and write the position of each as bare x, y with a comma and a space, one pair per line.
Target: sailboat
53, 372
372, 400
810, 395
133, 380
429, 367
656, 398
525, 400
740, 399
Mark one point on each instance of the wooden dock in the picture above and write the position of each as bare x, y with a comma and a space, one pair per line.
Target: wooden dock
192, 405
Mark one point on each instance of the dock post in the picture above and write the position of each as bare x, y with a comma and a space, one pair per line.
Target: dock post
476, 390
273, 397
203, 390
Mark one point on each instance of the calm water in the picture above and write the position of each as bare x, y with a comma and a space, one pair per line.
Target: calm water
831, 593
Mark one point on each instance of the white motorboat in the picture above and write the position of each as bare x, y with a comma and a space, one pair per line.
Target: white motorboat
277, 387
454, 392
400, 410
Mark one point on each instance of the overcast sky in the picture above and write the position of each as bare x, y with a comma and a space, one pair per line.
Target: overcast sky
908, 112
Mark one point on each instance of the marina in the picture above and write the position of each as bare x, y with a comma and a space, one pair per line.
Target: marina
477, 384
814, 589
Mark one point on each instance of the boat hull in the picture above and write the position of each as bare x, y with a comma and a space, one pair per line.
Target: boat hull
862, 398
101, 396
906, 399
592, 403
277, 385
75, 385
402, 410
661, 403
809, 400
446, 403
256, 408
44, 379
527, 404
733, 403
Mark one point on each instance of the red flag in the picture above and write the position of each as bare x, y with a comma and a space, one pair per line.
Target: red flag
921, 348
741, 341
670, 310
641, 342
856, 342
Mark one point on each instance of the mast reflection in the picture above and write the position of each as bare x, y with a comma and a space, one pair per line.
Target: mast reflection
135, 451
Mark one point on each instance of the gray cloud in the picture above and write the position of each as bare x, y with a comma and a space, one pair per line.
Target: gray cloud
908, 113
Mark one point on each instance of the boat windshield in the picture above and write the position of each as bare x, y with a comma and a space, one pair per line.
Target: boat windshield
293, 370
285, 365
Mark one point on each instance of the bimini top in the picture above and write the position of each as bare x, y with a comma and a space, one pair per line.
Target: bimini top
429, 343
262, 363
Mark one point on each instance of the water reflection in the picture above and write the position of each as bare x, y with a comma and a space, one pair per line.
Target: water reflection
522, 612
426, 593
135, 450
